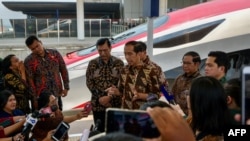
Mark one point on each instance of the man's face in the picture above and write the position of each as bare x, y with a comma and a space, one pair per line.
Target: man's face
212, 69
37, 48
132, 58
104, 51
188, 66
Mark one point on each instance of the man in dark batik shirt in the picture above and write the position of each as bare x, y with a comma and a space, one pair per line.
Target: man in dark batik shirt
102, 73
181, 86
138, 81
46, 70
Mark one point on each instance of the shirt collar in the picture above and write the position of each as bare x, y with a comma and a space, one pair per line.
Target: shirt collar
197, 73
102, 63
223, 80
146, 60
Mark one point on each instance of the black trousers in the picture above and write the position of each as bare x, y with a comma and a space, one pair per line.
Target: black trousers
99, 120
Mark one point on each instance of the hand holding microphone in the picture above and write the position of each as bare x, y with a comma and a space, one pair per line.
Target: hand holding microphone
31, 121
170, 98
32, 118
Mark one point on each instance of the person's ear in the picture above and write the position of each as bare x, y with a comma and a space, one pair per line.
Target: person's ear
222, 68
197, 64
229, 100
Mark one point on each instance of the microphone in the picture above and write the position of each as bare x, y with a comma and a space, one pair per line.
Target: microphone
49, 109
32, 118
31, 121
170, 98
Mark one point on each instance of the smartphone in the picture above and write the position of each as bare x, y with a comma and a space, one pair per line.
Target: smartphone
61, 130
245, 107
88, 107
135, 122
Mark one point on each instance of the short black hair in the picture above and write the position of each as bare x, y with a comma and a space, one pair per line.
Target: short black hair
233, 89
102, 41
43, 99
4, 97
137, 47
30, 40
195, 55
221, 59
143, 45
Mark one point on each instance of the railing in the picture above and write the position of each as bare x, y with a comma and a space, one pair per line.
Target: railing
22, 28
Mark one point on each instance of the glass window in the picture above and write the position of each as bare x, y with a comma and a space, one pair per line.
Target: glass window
186, 35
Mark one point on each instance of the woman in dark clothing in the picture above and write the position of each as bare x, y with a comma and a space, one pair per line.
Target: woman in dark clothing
209, 110
15, 81
42, 127
8, 105
47, 100
9, 110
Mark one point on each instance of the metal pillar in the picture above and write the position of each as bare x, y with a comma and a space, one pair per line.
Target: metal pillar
163, 6
80, 19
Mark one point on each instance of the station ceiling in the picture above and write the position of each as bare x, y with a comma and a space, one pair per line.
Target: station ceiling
65, 9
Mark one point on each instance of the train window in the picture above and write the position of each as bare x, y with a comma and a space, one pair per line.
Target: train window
186, 36
235, 62
238, 60
80, 67
139, 29
86, 51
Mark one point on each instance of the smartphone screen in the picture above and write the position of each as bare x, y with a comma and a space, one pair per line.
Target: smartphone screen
245, 94
61, 130
135, 122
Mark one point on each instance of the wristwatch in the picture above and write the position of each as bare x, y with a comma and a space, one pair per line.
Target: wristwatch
151, 97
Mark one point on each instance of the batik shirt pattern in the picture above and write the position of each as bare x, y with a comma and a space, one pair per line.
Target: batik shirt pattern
181, 87
159, 71
48, 72
144, 79
18, 87
101, 76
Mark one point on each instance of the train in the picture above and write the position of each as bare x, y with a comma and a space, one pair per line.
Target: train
214, 25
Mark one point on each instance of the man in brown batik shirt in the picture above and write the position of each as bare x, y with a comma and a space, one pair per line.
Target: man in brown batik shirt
102, 73
180, 89
137, 80
147, 61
